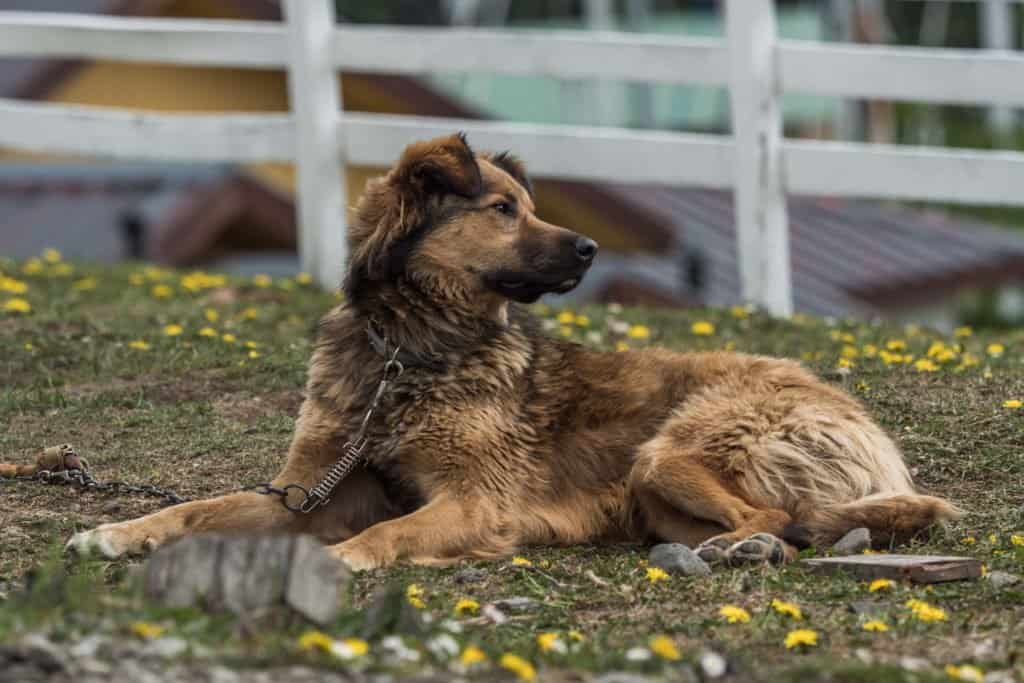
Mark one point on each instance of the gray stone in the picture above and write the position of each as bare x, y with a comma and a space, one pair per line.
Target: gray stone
867, 608
621, 677
470, 575
314, 583
676, 558
165, 648
853, 543
1000, 580
514, 605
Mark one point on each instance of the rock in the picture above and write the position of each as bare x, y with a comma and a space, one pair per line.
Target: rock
676, 558
1000, 580
247, 575
867, 608
88, 646
621, 677
470, 575
165, 648
112, 508
853, 543
516, 605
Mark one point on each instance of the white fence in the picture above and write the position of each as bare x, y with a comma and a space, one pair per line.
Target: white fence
752, 62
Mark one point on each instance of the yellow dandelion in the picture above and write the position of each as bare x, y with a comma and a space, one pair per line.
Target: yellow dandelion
85, 284
173, 330
869, 350
304, 278
51, 256
262, 280
787, 609
62, 270
466, 606
1013, 403
964, 331
922, 611
9, 284
211, 315
147, 630
926, 365
621, 346
207, 332
995, 349
845, 363
896, 345
520, 561
965, 673
993, 539
551, 642
849, 351
565, 331
801, 637
519, 666
875, 626
139, 344
250, 344
228, 338
582, 321
249, 314
664, 647
472, 655
356, 647
575, 635
739, 312
29, 346
254, 354
161, 291
136, 279
880, 585
417, 603
702, 328
639, 332
17, 305
1017, 540
315, 640
413, 590
32, 267
656, 574
566, 317
734, 614
968, 540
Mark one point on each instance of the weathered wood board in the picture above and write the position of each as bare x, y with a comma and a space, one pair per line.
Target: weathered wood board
916, 568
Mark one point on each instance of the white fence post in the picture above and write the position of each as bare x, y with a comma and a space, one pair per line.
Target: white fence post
316, 111
762, 227
997, 34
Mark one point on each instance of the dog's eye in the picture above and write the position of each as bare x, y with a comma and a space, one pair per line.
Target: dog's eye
504, 208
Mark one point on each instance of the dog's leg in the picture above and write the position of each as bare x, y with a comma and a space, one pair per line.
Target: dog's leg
443, 530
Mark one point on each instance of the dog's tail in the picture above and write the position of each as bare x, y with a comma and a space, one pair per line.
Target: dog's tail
891, 518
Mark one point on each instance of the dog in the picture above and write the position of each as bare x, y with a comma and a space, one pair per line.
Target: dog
469, 433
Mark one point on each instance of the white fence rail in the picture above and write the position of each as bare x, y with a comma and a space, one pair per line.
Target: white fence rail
756, 162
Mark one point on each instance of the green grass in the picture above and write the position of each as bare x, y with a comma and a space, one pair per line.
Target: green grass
200, 415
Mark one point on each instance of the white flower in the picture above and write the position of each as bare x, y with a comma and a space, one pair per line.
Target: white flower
548, 324
618, 326
399, 650
614, 308
443, 646
593, 336
638, 654
451, 626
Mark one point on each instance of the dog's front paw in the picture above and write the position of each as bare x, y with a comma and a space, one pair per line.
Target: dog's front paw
110, 541
357, 557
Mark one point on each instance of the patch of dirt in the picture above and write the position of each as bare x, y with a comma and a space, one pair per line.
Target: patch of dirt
249, 409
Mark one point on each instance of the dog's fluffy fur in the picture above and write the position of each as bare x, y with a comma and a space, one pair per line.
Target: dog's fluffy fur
502, 437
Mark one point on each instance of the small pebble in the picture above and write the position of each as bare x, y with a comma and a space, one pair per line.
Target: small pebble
676, 558
853, 543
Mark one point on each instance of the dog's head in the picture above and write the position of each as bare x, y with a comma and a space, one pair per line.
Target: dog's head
460, 228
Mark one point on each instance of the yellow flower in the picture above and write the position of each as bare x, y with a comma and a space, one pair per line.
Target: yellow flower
9, 284
801, 636
880, 585
702, 328
29, 346
575, 635
964, 331
262, 280
51, 256
550, 642
734, 614
211, 314
739, 312
139, 344
845, 363
62, 270
582, 321
519, 666
1017, 540
315, 640
787, 608
869, 350
17, 306
250, 344
417, 603
86, 283
993, 539
965, 673
521, 561
357, 647
665, 648
250, 313
566, 317
303, 278
413, 590
198, 280
926, 365
995, 349
896, 345
173, 330
466, 606
161, 291
136, 280
228, 337
1013, 403
147, 630
472, 655
849, 351
565, 331
875, 625
656, 574
207, 332
254, 354
924, 612
32, 267
639, 332
621, 346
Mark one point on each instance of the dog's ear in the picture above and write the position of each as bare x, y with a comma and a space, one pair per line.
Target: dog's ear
514, 167
440, 166
397, 209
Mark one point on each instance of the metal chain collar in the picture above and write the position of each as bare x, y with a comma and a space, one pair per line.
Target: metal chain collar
311, 499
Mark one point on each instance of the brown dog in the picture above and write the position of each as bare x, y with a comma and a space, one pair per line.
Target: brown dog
495, 436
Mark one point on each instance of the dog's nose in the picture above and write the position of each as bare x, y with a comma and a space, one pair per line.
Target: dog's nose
586, 248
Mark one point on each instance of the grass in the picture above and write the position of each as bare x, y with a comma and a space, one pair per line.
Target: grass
202, 414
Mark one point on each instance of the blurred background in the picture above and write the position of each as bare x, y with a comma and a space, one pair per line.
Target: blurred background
669, 246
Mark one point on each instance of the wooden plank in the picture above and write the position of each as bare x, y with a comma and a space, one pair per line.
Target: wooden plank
123, 134
210, 42
916, 568
559, 54
762, 225
902, 73
320, 164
